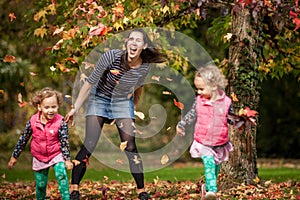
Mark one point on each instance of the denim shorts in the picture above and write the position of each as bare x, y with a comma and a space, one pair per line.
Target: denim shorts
111, 108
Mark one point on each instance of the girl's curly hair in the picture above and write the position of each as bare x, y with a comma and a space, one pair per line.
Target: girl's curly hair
212, 75
45, 93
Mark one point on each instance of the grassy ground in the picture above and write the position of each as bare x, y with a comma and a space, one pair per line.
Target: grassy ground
178, 171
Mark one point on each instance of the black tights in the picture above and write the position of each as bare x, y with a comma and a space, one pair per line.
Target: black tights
126, 130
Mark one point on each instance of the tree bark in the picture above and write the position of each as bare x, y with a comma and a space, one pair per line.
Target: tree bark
243, 81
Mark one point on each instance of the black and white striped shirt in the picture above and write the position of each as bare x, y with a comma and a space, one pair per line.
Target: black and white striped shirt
113, 80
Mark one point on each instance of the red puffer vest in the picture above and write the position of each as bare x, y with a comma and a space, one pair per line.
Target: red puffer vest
211, 128
44, 143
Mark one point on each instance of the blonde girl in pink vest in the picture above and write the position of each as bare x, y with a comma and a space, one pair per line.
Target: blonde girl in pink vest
210, 111
49, 144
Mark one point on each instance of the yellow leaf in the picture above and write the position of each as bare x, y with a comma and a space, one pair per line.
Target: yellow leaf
164, 159
133, 14
256, 180
123, 145
51, 8
118, 25
2, 92
39, 15
165, 9
40, 32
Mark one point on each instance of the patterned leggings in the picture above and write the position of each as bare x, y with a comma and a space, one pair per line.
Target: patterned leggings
41, 178
211, 171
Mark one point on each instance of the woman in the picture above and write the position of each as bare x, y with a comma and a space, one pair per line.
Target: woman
114, 88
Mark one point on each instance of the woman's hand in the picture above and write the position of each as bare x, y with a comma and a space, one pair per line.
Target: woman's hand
69, 165
11, 162
180, 131
70, 116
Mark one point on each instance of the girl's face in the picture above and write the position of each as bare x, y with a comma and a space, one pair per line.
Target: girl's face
135, 44
203, 89
48, 108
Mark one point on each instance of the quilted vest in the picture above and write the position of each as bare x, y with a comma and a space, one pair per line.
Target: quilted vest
211, 128
45, 144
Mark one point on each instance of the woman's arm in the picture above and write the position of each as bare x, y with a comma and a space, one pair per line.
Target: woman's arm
137, 96
83, 94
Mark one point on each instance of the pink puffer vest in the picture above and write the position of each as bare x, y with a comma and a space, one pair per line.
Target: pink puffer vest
44, 143
211, 128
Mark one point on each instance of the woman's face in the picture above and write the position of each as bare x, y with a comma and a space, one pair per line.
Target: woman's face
135, 44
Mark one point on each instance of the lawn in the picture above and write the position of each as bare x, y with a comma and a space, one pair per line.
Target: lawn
177, 181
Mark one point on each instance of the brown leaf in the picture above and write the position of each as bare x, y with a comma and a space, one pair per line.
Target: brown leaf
9, 58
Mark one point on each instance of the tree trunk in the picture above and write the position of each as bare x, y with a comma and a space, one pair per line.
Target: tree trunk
243, 81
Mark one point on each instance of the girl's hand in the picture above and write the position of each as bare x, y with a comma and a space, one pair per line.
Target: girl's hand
70, 116
11, 162
69, 165
180, 131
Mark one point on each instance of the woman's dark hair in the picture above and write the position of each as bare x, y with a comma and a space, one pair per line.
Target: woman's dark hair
149, 55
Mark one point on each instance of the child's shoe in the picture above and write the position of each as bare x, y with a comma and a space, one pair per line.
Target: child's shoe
210, 196
144, 196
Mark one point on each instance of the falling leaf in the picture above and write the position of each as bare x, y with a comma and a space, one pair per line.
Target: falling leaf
178, 104
228, 36
52, 68
123, 145
166, 93
169, 128
138, 132
119, 161
155, 78
9, 58
136, 159
3, 176
2, 92
139, 115
33, 73
105, 178
76, 162
68, 96
114, 71
164, 159
169, 79
21, 103
234, 98
12, 16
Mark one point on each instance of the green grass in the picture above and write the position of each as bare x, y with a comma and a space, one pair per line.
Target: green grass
96, 171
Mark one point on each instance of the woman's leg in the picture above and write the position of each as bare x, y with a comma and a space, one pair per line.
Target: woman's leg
62, 179
126, 130
210, 173
94, 126
41, 180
